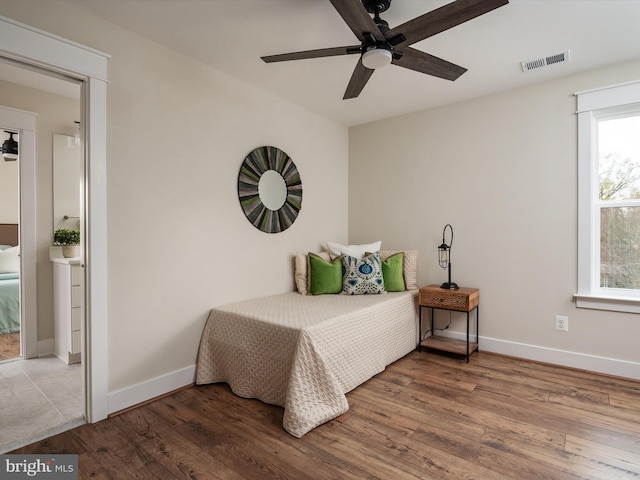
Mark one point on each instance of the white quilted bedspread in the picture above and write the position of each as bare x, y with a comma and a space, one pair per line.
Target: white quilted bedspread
304, 352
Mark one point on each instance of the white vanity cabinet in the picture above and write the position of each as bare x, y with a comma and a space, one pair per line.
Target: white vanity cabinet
68, 308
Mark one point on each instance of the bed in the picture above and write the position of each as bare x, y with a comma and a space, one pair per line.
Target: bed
305, 352
9, 279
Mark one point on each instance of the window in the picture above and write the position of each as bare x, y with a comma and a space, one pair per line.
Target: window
618, 201
609, 198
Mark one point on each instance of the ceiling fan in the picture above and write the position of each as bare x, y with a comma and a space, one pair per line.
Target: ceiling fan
381, 45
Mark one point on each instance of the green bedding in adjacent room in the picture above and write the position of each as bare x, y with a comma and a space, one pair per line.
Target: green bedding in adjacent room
9, 303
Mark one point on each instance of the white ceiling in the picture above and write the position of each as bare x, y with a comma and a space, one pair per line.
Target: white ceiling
232, 35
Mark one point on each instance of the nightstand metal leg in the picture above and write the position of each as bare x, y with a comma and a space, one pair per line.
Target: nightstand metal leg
467, 337
419, 346
478, 328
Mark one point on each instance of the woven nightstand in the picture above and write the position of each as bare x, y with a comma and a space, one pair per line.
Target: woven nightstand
460, 300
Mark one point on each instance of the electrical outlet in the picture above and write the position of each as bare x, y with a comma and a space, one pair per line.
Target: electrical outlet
562, 323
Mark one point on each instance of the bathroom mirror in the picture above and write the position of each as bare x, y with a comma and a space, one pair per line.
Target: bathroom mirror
270, 189
67, 182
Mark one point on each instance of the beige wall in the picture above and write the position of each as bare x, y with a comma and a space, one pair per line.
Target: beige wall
178, 242
503, 171
55, 114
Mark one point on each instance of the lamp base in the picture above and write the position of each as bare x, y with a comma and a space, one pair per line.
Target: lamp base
450, 286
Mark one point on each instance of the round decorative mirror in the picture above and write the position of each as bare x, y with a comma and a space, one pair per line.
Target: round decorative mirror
270, 189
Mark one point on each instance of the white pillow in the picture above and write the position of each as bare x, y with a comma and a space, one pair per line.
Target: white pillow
357, 251
10, 260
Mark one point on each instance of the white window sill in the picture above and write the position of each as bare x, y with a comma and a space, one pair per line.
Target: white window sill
603, 302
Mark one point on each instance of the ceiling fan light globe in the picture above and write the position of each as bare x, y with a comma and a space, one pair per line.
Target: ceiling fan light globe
376, 58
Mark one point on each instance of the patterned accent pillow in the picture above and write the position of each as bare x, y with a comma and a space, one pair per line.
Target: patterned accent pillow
362, 276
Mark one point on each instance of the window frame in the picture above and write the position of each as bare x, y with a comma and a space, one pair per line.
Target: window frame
593, 105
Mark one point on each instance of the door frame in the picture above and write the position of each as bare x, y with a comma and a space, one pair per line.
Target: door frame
35, 47
25, 123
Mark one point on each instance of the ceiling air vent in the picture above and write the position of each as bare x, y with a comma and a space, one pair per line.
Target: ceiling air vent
545, 61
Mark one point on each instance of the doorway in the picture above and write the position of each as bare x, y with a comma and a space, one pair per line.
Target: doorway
35, 48
10, 318
22, 231
41, 394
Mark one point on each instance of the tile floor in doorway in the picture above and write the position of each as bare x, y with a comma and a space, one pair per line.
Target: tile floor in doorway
38, 398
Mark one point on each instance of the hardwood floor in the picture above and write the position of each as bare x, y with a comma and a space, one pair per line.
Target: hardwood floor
427, 416
9, 346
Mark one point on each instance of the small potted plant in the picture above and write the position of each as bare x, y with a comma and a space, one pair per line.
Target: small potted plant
69, 240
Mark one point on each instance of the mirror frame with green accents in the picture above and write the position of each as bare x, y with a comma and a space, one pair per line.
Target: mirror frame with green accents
259, 161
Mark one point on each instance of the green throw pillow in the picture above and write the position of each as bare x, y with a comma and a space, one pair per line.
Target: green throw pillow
324, 277
392, 272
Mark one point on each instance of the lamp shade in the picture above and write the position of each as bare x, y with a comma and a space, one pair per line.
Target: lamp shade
10, 148
376, 58
443, 255
444, 258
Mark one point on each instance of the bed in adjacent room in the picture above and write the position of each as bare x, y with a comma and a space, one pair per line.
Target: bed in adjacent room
305, 352
9, 279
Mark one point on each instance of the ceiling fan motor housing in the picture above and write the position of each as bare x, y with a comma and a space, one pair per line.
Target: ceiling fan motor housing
376, 6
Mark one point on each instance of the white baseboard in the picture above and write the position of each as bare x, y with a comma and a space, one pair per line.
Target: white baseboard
45, 347
143, 391
592, 363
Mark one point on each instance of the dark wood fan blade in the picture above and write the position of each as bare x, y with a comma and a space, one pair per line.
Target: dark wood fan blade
442, 19
357, 18
322, 52
424, 63
359, 79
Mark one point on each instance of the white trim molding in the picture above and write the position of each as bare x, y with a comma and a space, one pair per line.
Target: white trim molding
606, 97
603, 302
553, 356
45, 347
36, 48
591, 106
19, 119
148, 390
144, 391
18, 41
564, 358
